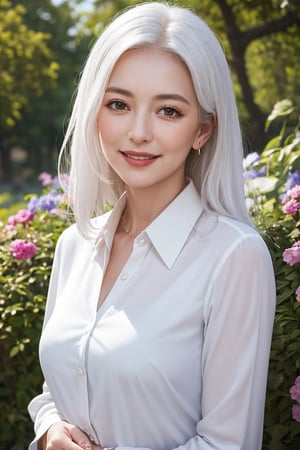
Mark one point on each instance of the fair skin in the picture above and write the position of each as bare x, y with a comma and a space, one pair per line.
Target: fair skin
148, 123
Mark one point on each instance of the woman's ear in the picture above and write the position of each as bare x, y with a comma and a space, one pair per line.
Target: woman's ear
205, 132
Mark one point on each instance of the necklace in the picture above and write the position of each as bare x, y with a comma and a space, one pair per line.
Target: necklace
125, 229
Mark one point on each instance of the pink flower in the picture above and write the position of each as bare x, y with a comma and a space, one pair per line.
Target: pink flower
21, 249
292, 255
9, 228
294, 192
296, 412
23, 216
298, 294
291, 207
11, 220
45, 178
295, 390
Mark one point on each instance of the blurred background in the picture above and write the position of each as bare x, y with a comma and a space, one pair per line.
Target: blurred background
44, 43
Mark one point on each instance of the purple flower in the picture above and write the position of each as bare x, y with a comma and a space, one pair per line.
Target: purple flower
291, 207
293, 179
298, 294
48, 201
253, 173
292, 255
21, 249
296, 412
32, 205
45, 178
249, 172
23, 216
251, 159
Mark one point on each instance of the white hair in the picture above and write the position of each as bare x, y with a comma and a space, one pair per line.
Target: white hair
217, 172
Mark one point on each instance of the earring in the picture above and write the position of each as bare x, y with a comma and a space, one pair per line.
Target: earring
199, 151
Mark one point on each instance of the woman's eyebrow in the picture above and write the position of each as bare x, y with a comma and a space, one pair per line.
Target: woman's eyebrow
116, 90
170, 96
177, 97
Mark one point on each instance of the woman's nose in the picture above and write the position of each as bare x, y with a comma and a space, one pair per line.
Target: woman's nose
140, 129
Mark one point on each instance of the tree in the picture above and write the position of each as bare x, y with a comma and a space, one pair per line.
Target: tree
41, 128
259, 38
26, 67
268, 18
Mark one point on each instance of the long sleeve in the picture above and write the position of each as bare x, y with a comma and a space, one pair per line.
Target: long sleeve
42, 409
240, 305
43, 412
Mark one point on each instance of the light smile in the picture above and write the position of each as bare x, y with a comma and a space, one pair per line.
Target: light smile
138, 157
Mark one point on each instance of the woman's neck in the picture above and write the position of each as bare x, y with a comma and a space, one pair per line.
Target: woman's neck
144, 205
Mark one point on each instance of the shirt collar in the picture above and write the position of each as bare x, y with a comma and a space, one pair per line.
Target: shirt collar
171, 229
168, 232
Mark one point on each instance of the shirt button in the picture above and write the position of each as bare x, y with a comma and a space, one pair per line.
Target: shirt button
124, 276
80, 372
142, 242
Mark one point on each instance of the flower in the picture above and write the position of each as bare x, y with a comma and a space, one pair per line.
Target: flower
47, 202
251, 159
295, 390
298, 294
32, 205
294, 192
23, 216
292, 255
21, 249
293, 179
291, 207
296, 412
45, 178
249, 172
11, 220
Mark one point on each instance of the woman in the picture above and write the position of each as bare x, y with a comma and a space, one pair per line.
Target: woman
159, 315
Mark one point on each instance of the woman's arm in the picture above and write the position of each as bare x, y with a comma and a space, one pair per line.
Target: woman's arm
239, 313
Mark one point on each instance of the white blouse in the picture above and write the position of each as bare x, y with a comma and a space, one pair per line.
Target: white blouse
177, 355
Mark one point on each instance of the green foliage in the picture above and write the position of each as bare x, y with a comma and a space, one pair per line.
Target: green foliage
280, 157
22, 301
26, 63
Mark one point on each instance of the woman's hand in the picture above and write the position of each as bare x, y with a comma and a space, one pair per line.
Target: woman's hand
64, 436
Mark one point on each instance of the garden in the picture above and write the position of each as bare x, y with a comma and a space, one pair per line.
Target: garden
28, 234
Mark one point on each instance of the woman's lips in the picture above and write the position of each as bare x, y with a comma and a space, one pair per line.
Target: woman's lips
138, 159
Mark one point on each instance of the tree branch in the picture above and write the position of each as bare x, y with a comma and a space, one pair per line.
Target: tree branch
270, 27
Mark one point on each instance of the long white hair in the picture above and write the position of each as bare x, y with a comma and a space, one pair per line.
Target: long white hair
217, 172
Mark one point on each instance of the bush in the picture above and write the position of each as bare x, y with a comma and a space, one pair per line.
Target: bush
272, 181
31, 235
28, 239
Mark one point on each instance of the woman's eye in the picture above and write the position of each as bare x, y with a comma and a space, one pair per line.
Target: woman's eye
117, 105
168, 111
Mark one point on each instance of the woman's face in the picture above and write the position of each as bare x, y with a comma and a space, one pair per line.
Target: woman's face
149, 119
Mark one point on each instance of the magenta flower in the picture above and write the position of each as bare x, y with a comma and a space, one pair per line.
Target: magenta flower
291, 207
296, 412
23, 216
298, 294
292, 255
294, 192
295, 390
21, 249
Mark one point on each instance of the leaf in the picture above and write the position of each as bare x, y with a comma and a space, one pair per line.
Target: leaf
280, 109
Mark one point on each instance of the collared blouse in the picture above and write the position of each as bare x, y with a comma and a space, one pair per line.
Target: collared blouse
176, 357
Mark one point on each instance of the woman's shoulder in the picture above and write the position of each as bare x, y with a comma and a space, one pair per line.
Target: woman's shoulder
72, 235
227, 232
